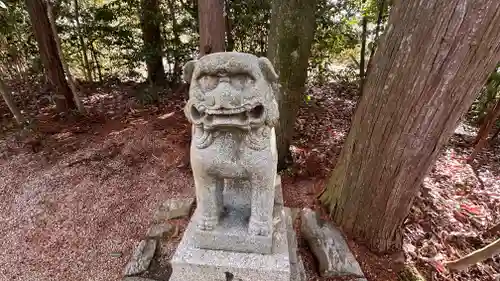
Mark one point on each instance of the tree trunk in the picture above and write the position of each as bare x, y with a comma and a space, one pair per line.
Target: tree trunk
88, 71
44, 35
7, 96
153, 45
176, 42
290, 38
212, 26
96, 59
432, 63
380, 17
362, 53
229, 27
480, 255
71, 81
482, 136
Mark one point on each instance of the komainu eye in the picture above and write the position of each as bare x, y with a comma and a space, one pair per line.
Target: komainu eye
239, 81
208, 82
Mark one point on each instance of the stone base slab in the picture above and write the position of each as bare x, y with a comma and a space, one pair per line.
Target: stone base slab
191, 263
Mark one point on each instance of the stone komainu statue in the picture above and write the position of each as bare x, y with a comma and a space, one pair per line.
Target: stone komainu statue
233, 111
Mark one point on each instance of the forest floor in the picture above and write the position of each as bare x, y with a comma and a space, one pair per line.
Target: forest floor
73, 191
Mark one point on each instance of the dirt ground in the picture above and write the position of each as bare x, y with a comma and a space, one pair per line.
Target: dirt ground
76, 195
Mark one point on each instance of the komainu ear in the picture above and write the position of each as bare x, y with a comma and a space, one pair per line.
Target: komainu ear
268, 70
187, 71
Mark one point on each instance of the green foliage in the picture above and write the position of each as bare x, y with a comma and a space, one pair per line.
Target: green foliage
487, 98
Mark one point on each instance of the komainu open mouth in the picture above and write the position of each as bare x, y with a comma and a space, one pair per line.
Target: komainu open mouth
241, 117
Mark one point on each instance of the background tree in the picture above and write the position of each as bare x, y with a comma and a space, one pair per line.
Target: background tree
7, 97
425, 75
290, 40
151, 35
63, 97
212, 26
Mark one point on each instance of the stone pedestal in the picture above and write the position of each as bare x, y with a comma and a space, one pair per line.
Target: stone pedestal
192, 263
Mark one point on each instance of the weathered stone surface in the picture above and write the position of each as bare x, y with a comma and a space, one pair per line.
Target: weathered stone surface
173, 208
329, 247
295, 213
231, 232
141, 258
298, 271
160, 230
136, 279
233, 111
192, 263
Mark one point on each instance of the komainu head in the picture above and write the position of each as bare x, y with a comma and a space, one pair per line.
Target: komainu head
231, 90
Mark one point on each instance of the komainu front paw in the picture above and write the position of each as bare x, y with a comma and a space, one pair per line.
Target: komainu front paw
207, 223
259, 228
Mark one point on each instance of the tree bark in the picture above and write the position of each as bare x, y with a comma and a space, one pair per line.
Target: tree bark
71, 81
88, 71
212, 26
229, 27
482, 136
432, 63
44, 36
153, 45
96, 59
9, 100
290, 38
489, 251
176, 42
380, 17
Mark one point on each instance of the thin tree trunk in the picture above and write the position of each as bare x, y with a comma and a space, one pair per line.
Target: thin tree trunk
480, 255
96, 59
229, 27
364, 23
153, 43
71, 81
9, 100
482, 136
44, 35
176, 42
88, 72
380, 16
434, 59
290, 39
212, 26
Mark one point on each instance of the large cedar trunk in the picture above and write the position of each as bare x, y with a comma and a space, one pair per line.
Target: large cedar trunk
212, 26
432, 63
37, 10
290, 39
153, 45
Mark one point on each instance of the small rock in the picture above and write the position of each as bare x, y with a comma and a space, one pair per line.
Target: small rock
136, 279
160, 230
173, 208
116, 254
141, 258
329, 247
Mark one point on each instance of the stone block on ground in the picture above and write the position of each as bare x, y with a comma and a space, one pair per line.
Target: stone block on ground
160, 230
136, 279
191, 263
329, 246
173, 208
141, 257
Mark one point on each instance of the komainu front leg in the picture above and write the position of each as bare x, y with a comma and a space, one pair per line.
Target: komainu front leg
209, 191
262, 207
